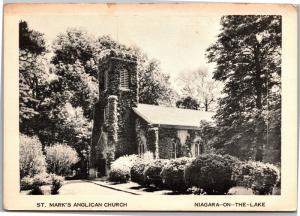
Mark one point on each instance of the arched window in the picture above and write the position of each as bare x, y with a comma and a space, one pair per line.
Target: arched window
124, 79
141, 149
199, 149
174, 149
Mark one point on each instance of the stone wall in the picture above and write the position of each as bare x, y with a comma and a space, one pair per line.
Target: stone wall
113, 113
183, 138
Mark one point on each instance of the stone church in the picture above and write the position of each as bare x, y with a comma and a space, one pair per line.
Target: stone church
123, 126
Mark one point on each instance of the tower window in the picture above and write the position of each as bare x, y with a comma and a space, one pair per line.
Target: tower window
124, 79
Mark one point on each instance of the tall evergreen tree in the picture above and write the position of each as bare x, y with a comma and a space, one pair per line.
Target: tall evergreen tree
248, 58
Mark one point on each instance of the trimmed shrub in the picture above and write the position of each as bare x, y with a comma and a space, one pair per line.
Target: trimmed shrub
173, 174
59, 159
34, 183
152, 172
211, 172
120, 168
137, 170
32, 160
260, 177
26, 183
57, 182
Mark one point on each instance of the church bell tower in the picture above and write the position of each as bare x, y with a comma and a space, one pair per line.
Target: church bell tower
113, 132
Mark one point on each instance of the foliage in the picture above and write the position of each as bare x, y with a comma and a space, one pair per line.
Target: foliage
72, 126
152, 140
137, 172
57, 182
34, 79
188, 103
74, 90
247, 54
147, 156
152, 172
208, 133
120, 168
154, 85
173, 174
26, 183
35, 182
32, 160
59, 158
198, 89
30, 40
112, 118
76, 45
137, 169
211, 172
260, 177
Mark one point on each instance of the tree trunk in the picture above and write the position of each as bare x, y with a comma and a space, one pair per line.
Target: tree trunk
206, 104
260, 122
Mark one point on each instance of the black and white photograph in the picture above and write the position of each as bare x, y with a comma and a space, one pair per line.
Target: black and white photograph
153, 103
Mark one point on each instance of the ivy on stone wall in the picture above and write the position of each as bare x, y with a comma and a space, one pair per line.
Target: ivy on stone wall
112, 120
152, 141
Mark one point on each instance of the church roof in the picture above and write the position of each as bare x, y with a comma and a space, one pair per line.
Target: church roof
172, 117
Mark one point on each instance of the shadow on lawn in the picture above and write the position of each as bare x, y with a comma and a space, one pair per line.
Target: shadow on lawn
146, 189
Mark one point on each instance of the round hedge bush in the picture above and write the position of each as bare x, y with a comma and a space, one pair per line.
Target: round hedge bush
173, 174
120, 168
152, 172
260, 177
211, 172
137, 172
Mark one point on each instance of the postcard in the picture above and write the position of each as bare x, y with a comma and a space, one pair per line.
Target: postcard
150, 107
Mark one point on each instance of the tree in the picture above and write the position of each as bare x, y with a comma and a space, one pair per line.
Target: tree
34, 77
248, 57
199, 85
75, 63
76, 45
154, 85
187, 103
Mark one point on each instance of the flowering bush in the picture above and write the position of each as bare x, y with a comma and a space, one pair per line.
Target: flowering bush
32, 160
260, 177
173, 174
211, 172
120, 168
60, 157
152, 172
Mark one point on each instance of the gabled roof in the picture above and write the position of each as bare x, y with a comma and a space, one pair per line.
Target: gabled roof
172, 117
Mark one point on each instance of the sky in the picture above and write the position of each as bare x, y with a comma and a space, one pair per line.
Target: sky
177, 41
